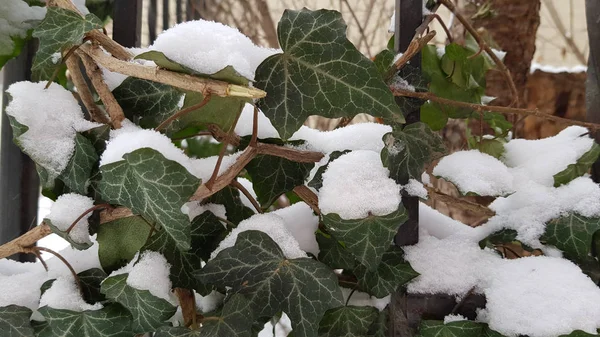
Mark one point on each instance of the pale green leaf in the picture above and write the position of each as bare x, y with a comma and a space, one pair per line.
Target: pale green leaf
321, 73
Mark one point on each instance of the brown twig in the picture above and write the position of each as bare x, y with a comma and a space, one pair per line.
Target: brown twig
179, 80
110, 102
224, 145
187, 302
254, 138
484, 46
87, 211
39, 256
183, 112
463, 204
242, 189
414, 48
505, 110
309, 197
85, 94
60, 257
444, 27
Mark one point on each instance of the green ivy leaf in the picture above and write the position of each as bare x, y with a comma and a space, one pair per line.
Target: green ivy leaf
151, 185
572, 234
17, 45
406, 152
317, 180
76, 175
392, 272
110, 321
149, 312
383, 61
493, 147
581, 167
273, 176
348, 321
119, 241
90, 281
367, 239
452, 329
256, 268
67, 237
319, 72
14, 321
487, 332
178, 332
235, 319
98, 137
221, 111
333, 254
578, 333
60, 30
234, 207
499, 237
433, 116
42, 329
379, 328
207, 232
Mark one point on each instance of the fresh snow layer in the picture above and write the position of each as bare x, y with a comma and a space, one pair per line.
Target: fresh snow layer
209, 302
300, 220
66, 209
415, 188
282, 328
475, 172
16, 18
271, 224
208, 46
194, 208
434, 223
131, 137
246, 122
151, 272
356, 185
53, 117
553, 69
360, 136
454, 318
64, 294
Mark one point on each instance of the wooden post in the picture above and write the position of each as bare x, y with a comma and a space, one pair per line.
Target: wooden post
127, 22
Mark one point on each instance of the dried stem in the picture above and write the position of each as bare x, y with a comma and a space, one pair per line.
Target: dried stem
85, 94
241, 187
224, 144
505, 110
110, 102
175, 79
87, 211
443, 24
183, 112
309, 197
254, 138
60, 257
414, 48
188, 307
483, 45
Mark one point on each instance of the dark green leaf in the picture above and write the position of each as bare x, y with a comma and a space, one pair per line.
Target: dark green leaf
76, 175
14, 321
207, 232
572, 234
60, 30
383, 61
149, 312
319, 72
110, 321
493, 147
151, 185
221, 111
234, 207
433, 116
497, 121
456, 52
256, 268
367, 239
7, 54
350, 321
379, 328
391, 273
487, 332
98, 136
90, 281
578, 333
273, 176
499, 237
333, 254
67, 237
42, 329
406, 152
235, 319
581, 167
177, 332
317, 180
452, 329
119, 240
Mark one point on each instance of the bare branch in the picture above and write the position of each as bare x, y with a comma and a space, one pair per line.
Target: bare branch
87, 98
309, 197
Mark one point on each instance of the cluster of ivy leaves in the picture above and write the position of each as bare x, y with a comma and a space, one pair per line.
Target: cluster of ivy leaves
309, 76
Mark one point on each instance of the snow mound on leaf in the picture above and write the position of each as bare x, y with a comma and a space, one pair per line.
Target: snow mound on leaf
475, 172
271, 224
151, 272
20, 283
208, 46
246, 122
66, 209
415, 188
302, 223
64, 294
360, 136
16, 18
357, 184
53, 118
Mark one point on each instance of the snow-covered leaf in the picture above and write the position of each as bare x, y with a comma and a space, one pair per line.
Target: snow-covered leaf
392, 272
76, 175
60, 30
149, 312
234, 207
256, 267
119, 240
273, 176
234, 319
333, 254
452, 329
581, 167
153, 186
572, 234
319, 72
406, 152
207, 232
317, 180
347, 321
14, 321
367, 239
110, 321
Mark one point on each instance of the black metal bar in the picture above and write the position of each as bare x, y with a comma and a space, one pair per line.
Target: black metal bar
179, 11
127, 22
152, 11
592, 88
166, 17
190, 9
409, 16
19, 182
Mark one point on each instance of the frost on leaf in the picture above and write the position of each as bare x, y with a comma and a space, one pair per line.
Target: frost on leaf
303, 288
64, 212
319, 72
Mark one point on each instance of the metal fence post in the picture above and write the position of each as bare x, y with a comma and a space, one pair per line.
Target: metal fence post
127, 22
